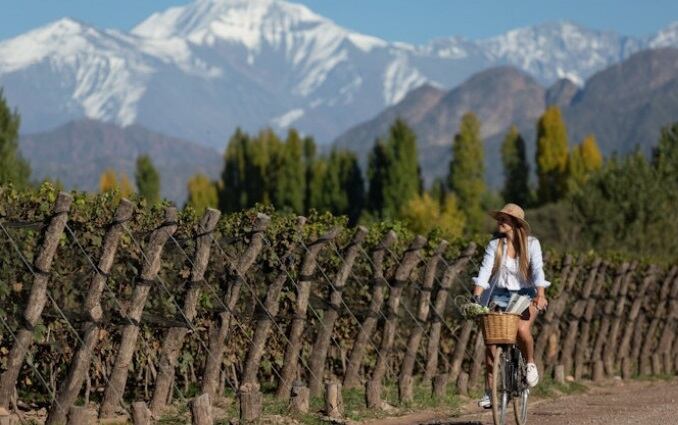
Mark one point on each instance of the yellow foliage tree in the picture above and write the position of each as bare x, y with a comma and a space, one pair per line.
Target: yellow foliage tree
423, 213
551, 156
108, 181
202, 193
126, 189
584, 159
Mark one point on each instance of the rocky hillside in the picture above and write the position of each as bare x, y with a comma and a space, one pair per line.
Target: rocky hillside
78, 152
624, 106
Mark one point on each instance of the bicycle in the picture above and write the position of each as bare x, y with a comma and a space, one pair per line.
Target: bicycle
509, 371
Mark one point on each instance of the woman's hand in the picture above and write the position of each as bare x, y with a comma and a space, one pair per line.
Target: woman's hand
540, 302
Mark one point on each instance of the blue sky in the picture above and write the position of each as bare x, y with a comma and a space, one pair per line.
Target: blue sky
403, 20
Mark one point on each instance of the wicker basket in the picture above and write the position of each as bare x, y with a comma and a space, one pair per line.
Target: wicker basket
500, 328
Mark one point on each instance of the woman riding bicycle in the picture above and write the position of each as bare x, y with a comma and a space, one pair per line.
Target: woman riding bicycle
513, 265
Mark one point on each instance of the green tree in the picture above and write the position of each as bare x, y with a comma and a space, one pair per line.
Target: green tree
666, 153
467, 170
202, 193
342, 189
309, 163
628, 207
584, 160
393, 171
289, 174
516, 169
147, 179
233, 195
13, 168
551, 156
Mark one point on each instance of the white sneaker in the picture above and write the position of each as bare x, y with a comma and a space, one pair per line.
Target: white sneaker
532, 374
485, 402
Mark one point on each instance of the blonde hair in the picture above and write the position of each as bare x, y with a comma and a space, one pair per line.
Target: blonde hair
520, 239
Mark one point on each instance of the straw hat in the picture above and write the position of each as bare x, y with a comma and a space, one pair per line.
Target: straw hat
513, 211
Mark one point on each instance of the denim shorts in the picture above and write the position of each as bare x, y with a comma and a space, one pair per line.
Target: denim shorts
501, 296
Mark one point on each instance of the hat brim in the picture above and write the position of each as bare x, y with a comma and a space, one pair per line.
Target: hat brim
522, 222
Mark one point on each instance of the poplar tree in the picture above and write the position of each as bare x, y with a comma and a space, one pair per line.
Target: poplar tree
202, 193
666, 153
233, 195
287, 166
467, 171
584, 159
516, 169
309, 163
13, 168
393, 171
147, 179
551, 156
342, 189
108, 181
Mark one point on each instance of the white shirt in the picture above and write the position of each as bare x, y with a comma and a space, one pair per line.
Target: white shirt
508, 275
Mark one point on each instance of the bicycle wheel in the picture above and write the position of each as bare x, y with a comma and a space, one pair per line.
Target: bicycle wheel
520, 402
500, 390
520, 407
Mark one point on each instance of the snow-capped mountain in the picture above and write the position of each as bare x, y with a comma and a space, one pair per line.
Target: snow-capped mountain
199, 71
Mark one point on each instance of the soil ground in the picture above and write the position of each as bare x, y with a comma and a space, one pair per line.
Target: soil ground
621, 403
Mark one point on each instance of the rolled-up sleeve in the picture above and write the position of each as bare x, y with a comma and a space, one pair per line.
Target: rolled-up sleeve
485, 272
537, 265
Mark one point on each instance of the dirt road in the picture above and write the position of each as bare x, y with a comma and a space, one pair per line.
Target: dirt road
642, 403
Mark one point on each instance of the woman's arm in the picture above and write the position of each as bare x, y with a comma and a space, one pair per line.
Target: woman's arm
538, 278
482, 281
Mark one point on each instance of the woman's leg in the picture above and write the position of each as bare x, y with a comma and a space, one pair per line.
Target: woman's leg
525, 340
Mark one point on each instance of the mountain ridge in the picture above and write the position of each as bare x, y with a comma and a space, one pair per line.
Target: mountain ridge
624, 106
78, 152
200, 70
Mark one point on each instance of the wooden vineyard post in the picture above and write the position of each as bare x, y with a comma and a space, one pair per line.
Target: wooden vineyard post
660, 313
326, 325
440, 385
78, 415
201, 410
69, 389
553, 337
478, 360
37, 298
573, 324
612, 339
608, 309
351, 376
410, 259
269, 311
625, 345
300, 400
433, 345
556, 308
405, 381
130, 332
671, 315
306, 278
219, 328
583, 347
250, 402
140, 414
334, 404
174, 339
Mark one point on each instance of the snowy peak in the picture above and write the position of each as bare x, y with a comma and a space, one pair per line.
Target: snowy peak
248, 22
559, 50
667, 37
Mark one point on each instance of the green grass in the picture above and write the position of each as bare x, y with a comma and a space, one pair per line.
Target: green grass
354, 406
548, 388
